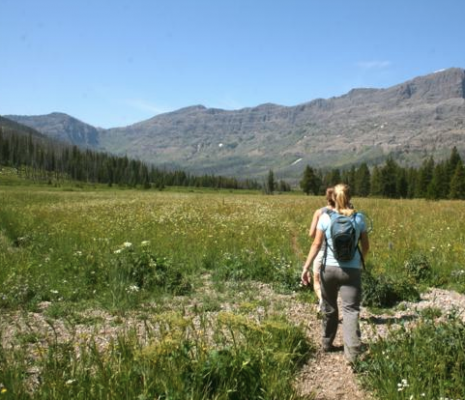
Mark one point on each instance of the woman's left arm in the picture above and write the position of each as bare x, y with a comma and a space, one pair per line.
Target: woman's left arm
312, 230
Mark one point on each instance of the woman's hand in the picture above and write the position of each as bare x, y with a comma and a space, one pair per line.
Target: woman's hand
305, 277
314, 249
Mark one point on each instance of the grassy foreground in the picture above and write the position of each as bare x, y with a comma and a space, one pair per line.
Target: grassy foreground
170, 261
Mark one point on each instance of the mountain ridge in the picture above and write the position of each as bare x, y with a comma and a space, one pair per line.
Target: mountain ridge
422, 115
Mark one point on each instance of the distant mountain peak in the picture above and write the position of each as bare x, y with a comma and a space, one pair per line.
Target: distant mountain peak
442, 84
59, 114
194, 108
63, 127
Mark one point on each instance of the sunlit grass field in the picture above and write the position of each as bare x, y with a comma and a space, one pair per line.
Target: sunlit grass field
171, 261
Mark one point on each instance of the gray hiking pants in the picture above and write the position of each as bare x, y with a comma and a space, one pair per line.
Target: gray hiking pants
348, 282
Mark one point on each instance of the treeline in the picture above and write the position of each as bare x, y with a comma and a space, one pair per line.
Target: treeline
42, 159
432, 180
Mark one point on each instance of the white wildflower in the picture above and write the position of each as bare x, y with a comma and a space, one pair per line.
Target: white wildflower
127, 244
117, 251
145, 243
402, 385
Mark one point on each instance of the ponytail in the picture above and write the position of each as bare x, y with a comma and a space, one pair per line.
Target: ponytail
341, 198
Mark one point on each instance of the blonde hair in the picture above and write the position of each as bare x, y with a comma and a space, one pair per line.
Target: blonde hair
341, 198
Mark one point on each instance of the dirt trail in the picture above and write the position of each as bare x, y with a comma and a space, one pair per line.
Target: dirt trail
327, 376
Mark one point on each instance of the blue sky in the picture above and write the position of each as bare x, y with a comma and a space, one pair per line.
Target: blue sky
114, 63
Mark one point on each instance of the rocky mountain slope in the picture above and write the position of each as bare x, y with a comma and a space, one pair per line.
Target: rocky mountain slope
62, 127
423, 115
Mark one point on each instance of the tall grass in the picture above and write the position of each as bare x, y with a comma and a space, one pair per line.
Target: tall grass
67, 242
176, 358
129, 251
427, 362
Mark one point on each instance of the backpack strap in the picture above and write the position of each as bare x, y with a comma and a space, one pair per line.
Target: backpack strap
361, 257
358, 248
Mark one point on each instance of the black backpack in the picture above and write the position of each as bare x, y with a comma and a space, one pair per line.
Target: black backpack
343, 235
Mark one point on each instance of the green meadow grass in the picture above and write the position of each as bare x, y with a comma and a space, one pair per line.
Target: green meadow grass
147, 252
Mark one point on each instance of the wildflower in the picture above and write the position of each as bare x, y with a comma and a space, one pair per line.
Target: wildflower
145, 243
54, 291
3, 391
402, 385
70, 381
117, 251
127, 244
133, 288
78, 253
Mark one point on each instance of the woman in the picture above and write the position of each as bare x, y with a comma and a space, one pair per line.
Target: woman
312, 233
342, 277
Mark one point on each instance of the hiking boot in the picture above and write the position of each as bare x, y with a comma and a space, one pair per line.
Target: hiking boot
331, 348
351, 354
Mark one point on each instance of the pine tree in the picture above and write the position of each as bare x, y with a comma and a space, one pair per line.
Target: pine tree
457, 183
335, 177
376, 184
436, 189
310, 181
388, 175
402, 183
425, 175
270, 182
362, 182
412, 177
450, 167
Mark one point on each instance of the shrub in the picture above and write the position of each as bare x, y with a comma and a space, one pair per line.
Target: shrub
418, 267
247, 265
425, 362
142, 270
458, 279
380, 291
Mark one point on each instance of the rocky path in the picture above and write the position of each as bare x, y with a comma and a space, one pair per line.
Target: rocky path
325, 377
